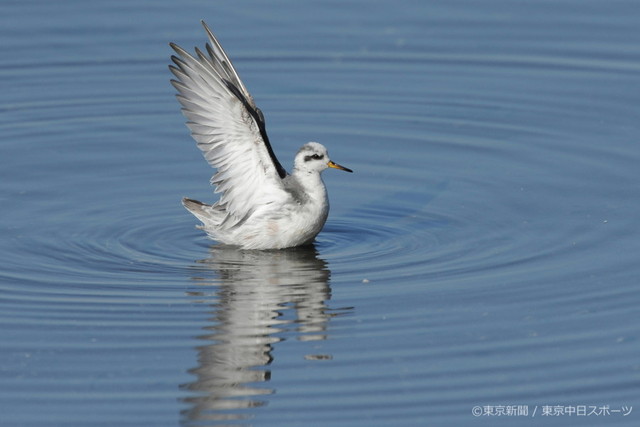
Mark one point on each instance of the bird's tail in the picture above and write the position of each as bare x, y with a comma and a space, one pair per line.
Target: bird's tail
200, 210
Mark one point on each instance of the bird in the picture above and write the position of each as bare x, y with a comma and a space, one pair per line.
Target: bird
261, 205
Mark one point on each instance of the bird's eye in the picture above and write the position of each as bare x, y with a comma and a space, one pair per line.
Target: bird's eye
314, 157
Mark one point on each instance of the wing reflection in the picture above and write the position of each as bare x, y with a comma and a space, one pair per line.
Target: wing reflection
256, 297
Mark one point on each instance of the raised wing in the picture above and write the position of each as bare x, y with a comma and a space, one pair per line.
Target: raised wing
228, 128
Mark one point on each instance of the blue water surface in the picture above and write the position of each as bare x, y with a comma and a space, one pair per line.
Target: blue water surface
478, 268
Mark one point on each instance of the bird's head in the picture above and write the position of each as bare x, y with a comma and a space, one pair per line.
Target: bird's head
314, 157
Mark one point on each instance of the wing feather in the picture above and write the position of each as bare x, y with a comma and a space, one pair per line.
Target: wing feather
229, 129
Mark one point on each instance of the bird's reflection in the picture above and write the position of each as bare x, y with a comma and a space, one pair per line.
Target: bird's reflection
256, 297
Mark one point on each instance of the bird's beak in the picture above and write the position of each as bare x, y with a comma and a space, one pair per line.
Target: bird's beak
337, 166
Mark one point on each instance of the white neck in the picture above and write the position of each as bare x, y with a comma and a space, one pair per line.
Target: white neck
312, 183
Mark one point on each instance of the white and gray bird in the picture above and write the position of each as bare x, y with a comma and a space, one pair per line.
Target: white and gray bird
261, 205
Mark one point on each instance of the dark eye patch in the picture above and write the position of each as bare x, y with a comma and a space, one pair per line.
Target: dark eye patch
313, 157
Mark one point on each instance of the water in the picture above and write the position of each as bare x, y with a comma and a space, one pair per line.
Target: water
483, 254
